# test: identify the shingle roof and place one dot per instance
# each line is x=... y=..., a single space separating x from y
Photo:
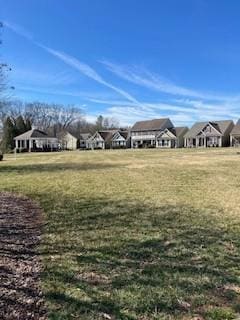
x=236 y=129
x=34 y=133
x=221 y=126
x=64 y=133
x=85 y=136
x=178 y=131
x=107 y=134
x=124 y=134
x=155 y=124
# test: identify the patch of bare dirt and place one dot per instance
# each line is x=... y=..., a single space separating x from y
x=20 y=229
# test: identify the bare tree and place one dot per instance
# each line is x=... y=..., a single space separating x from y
x=46 y=116
x=4 y=86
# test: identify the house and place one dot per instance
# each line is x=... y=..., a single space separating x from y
x=120 y=140
x=96 y=141
x=235 y=135
x=36 y=140
x=144 y=133
x=83 y=140
x=108 y=139
x=171 y=138
x=68 y=141
x=209 y=134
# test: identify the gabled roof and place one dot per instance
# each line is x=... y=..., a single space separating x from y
x=64 y=133
x=34 y=133
x=236 y=129
x=124 y=134
x=220 y=126
x=85 y=136
x=178 y=131
x=155 y=124
x=107 y=134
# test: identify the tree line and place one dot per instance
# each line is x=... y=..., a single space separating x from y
x=17 y=117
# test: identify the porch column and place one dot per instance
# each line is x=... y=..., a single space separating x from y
x=220 y=141
x=197 y=142
x=30 y=145
x=231 y=141
x=205 y=142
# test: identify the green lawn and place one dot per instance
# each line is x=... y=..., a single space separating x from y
x=144 y=234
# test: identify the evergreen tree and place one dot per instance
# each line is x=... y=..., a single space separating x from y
x=20 y=125
x=99 y=123
x=28 y=124
x=9 y=132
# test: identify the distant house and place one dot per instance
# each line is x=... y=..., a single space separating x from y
x=209 y=134
x=120 y=139
x=96 y=141
x=35 y=140
x=144 y=133
x=171 y=138
x=108 y=139
x=83 y=140
x=235 y=135
x=68 y=141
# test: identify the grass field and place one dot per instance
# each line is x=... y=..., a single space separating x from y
x=144 y=235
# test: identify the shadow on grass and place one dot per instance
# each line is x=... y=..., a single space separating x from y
x=53 y=167
x=132 y=261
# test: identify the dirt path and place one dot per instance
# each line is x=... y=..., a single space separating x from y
x=20 y=224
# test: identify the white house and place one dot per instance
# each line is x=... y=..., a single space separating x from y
x=171 y=138
x=209 y=134
x=109 y=139
x=68 y=141
x=36 y=140
x=144 y=133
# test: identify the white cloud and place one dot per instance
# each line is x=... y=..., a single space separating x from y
x=153 y=81
x=50 y=91
x=188 y=105
x=88 y=71
x=18 y=30
x=73 y=62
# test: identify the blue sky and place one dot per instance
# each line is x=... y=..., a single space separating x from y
x=128 y=59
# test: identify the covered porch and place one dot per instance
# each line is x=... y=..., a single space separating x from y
x=35 y=140
x=235 y=140
x=166 y=143
x=95 y=144
x=203 y=142
x=208 y=141
x=144 y=143
x=36 y=144
x=119 y=144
